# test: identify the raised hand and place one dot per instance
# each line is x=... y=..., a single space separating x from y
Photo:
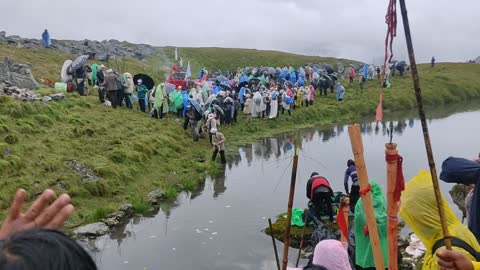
x=42 y=214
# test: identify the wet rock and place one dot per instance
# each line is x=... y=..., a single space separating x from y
x=126 y=208
x=46 y=99
x=92 y=230
x=458 y=194
x=57 y=97
x=19 y=75
x=86 y=174
x=115 y=219
x=155 y=196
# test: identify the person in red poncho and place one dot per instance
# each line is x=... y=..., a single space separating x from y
x=320 y=194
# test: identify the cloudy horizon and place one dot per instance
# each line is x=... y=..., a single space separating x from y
x=354 y=29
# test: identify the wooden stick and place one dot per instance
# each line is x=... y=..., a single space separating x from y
x=392 y=209
x=357 y=149
x=346 y=210
x=286 y=242
x=274 y=244
x=423 y=120
x=301 y=240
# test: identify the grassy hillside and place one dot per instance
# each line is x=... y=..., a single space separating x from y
x=134 y=154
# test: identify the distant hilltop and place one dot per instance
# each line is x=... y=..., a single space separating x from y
x=103 y=49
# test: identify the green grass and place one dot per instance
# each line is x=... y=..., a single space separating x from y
x=134 y=154
x=141 y=206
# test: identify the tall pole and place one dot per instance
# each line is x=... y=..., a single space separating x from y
x=423 y=120
x=392 y=206
x=274 y=244
x=357 y=149
x=293 y=180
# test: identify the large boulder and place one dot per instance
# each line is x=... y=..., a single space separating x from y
x=92 y=230
x=19 y=75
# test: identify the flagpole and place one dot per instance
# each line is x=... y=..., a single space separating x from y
x=426 y=136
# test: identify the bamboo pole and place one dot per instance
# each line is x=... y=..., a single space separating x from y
x=286 y=242
x=346 y=209
x=301 y=240
x=274 y=244
x=423 y=120
x=357 y=149
x=392 y=209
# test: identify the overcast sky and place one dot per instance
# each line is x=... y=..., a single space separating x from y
x=353 y=29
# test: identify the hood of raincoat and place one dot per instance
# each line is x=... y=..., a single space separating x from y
x=419 y=211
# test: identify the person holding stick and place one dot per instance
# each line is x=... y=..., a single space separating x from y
x=354 y=194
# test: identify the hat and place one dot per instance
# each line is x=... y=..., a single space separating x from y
x=139 y=81
x=213 y=130
x=109 y=70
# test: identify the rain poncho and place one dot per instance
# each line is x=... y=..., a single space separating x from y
x=216 y=89
x=363 y=246
x=293 y=77
x=161 y=99
x=257 y=105
x=365 y=72
x=241 y=95
x=94 y=72
x=298 y=102
x=47 y=42
x=419 y=211
x=273 y=104
x=300 y=82
x=331 y=254
x=340 y=91
x=185 y=102
x=176 y=99
x=464 y=171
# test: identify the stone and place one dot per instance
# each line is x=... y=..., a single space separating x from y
x=6 y=152
x=155 y=196
x=126 y=208
x=46 y=99
x=63 y=185
x=94 y=229
x=86 y=174
x=3 y=34
x=19 y=75
x=57 y=97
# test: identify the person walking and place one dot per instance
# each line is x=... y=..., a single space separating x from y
x=101 y=87
x=141 y=94
x=354 y=193
x=111 y=85
x=340 y=91
x=433 y=61
x=218 y=141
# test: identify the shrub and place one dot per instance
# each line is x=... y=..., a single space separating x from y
x=11 y=139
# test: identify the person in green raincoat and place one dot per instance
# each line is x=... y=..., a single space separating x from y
x=176 y=101
x=161 y=101
x=94 y=74
x=363 y=246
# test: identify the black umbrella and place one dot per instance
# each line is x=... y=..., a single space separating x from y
x=195 y=105
x=147 y=80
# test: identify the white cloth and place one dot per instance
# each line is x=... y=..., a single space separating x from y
x=273 y=109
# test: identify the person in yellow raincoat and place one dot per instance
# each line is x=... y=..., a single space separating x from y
x=299 y=100
x=419 y=211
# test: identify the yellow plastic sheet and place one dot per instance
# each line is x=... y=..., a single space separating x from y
x=419 y=210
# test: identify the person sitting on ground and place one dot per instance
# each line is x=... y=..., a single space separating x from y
x=218 y=141
x=141 y=94
x=41 y=249
x=354 y=194
x=320 y=193
x=418 y=210
x=328 y=255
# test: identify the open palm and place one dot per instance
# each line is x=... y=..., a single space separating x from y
x=42 y=214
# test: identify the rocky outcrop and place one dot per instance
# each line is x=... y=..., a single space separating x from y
x=7 y=89
x=92 y=230
x=19 y=75
x=103 y=49
x=85 y=173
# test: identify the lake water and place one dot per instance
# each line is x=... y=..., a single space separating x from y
x=220 y=226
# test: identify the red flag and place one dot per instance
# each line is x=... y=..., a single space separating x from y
x=342 y=222
x=379 y=113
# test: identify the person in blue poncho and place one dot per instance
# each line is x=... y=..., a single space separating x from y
x=216 y=89
x=300 y=82
x=241 y=96
x=185 y=102
x=340 y=91
x=293 y=77
x=47 y=42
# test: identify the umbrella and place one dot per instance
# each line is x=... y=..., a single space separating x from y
x=79 y=62
x=221 y=78
x=169 y=87
x=226 y=85
x=264 y=69
x=329 y=68
x=327 y=78
x=147 y=80
x=211 y=98
x=195 y=105
x=219 y=109
x=249 y=70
